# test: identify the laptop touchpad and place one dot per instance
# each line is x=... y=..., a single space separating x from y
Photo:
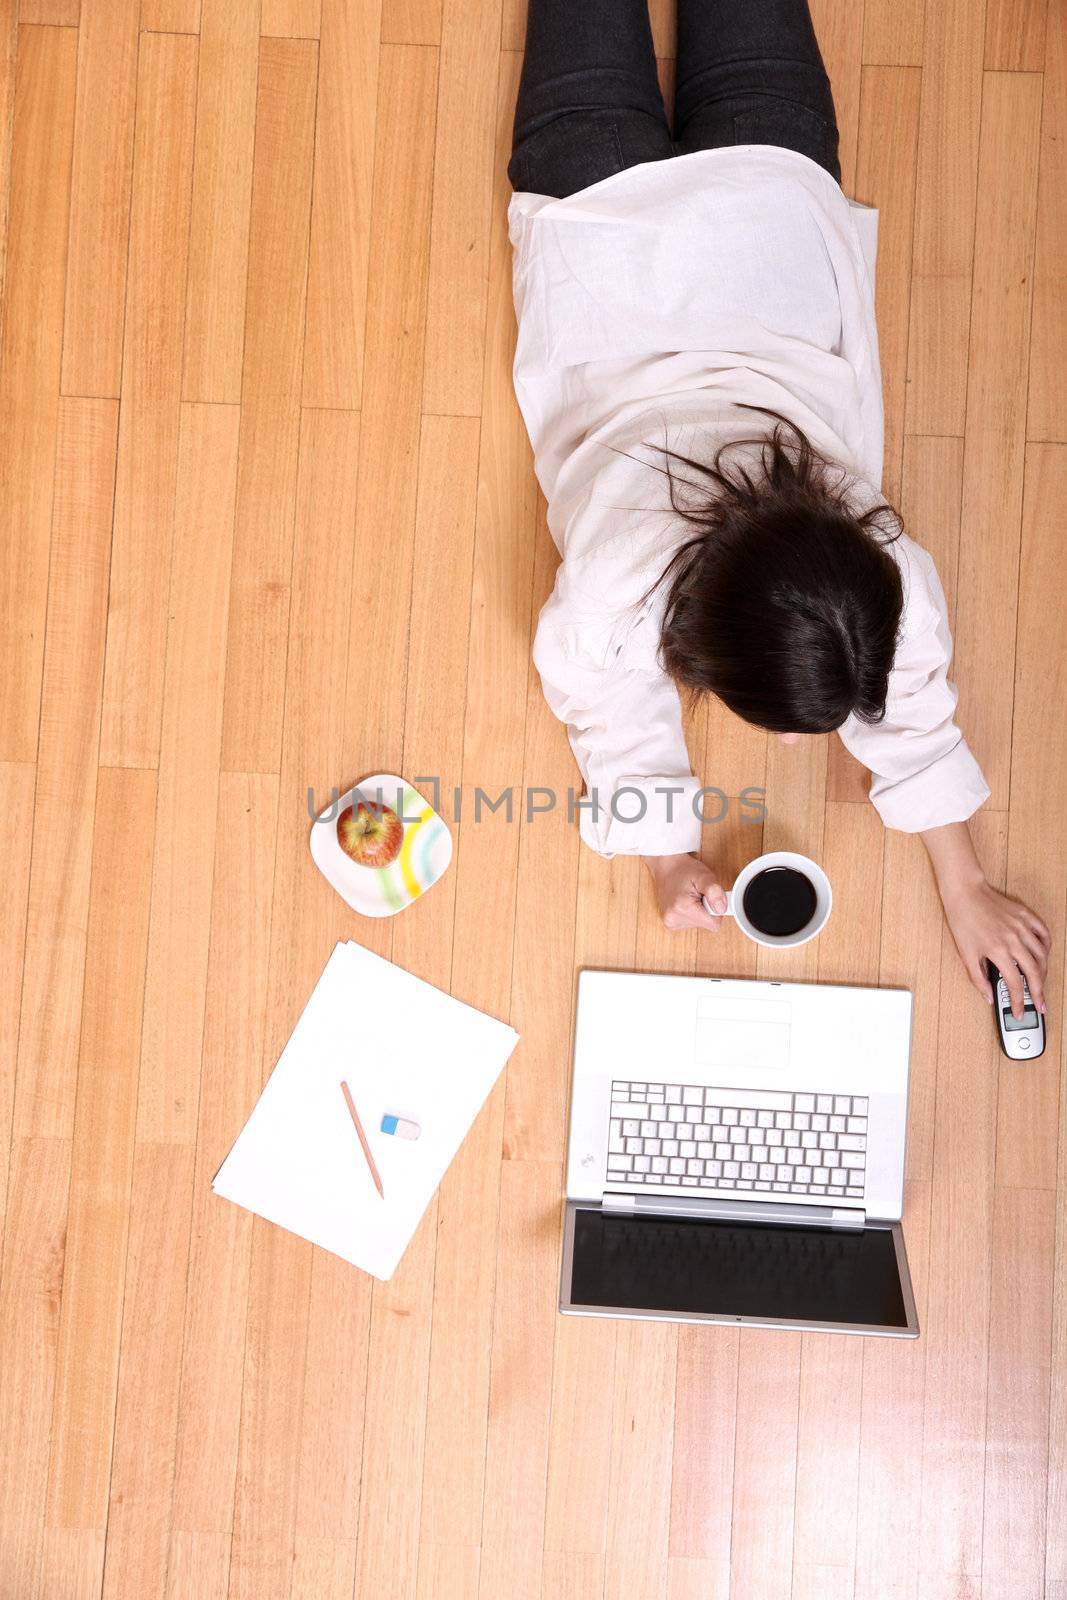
x=739 y=1033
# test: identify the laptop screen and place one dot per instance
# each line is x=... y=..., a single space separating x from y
x=691 y=1266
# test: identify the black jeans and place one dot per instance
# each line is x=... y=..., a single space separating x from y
x=589 y=105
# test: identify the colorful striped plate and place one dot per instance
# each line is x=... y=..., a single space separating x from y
x=425 y=850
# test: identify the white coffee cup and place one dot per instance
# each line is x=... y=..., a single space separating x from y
x=779 y=858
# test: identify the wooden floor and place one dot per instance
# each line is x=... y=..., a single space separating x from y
x=254 y=375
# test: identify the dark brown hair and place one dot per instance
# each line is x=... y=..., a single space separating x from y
x=784 y=602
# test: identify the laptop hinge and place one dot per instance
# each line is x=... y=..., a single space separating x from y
x=722 y=1210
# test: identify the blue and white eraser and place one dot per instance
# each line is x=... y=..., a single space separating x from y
x=402 y=1127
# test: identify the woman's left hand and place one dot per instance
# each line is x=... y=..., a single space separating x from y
x=987 y=924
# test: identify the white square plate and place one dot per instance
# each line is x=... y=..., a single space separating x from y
x=425 y=851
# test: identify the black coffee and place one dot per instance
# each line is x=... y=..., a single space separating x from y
x=779 y=901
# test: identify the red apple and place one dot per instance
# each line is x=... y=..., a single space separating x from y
x=370 y=834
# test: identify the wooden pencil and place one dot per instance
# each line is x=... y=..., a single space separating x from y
x=346 y=1091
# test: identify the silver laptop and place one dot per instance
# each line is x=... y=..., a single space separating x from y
x=736 y=1154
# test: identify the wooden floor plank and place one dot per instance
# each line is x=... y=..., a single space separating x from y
x=146 y=1424
x=443 y=551
x=65 y=794
x=911 y=910
x=102 y=165
x=450 y=1571
x=433 y=753
x=944 y=236
x=539 y=1070
x=1056 y=1514
x=828 y=1451
x=893 y=33
x=443 y=543
x=323 y=1568
x=213 y=1343
x=1015 y=35
x=702 y=1481
x=957 y=1320
x=17 y=781
x=467 y=1216
x=573 y=1575
x=513 y=27
x=525 y=1313
x=1027 y=1110
x=483 y=945
x=996 y=416
x=221 y=201
x=102 y=1158
x=1017 y=1409
x=463 y=193
x=492 y=759
x=312 y=918
x=411 y=21
x=9 y=33
x=885 y=177
x=852 y=852
x=690 y=1579
x=828 y=1445
x=35 y=1237
x=396 y=626
x=579 y=1457
x=270 y=411
x=949 y=1586
x=822 y=1582
x=437 y=661
x=765 y=1462
x=308 y=919
x=291 y=19
x=264 y=1519
x=51 y=13
x=151 y=387
x=888 y=1493
x=392 y=389
x=73 y=1561
x=199 y=1562
x=339 y=254
x=171 y=16
x=331 y=1446
x=932 y=504
x=188 y=775
x=395 y=1421
x=56 y=925
x=1047 y=395
x=141 y=1488
x=583 y=1370
x=910 y=953
x=30 y=355
x=639 y=1495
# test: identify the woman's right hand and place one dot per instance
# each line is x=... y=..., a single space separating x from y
x=681 y=883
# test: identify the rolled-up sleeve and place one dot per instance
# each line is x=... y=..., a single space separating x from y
x=923 y=773
x=625 y=729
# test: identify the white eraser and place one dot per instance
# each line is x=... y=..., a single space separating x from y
x=401 y=1127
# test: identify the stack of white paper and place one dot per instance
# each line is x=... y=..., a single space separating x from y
x=403 y=1047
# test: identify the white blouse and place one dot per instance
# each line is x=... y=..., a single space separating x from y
x=649 y=306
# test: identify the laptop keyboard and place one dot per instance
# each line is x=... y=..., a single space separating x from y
x=686 y=1136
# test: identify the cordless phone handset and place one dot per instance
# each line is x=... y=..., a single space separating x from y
x=1021 y=1038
